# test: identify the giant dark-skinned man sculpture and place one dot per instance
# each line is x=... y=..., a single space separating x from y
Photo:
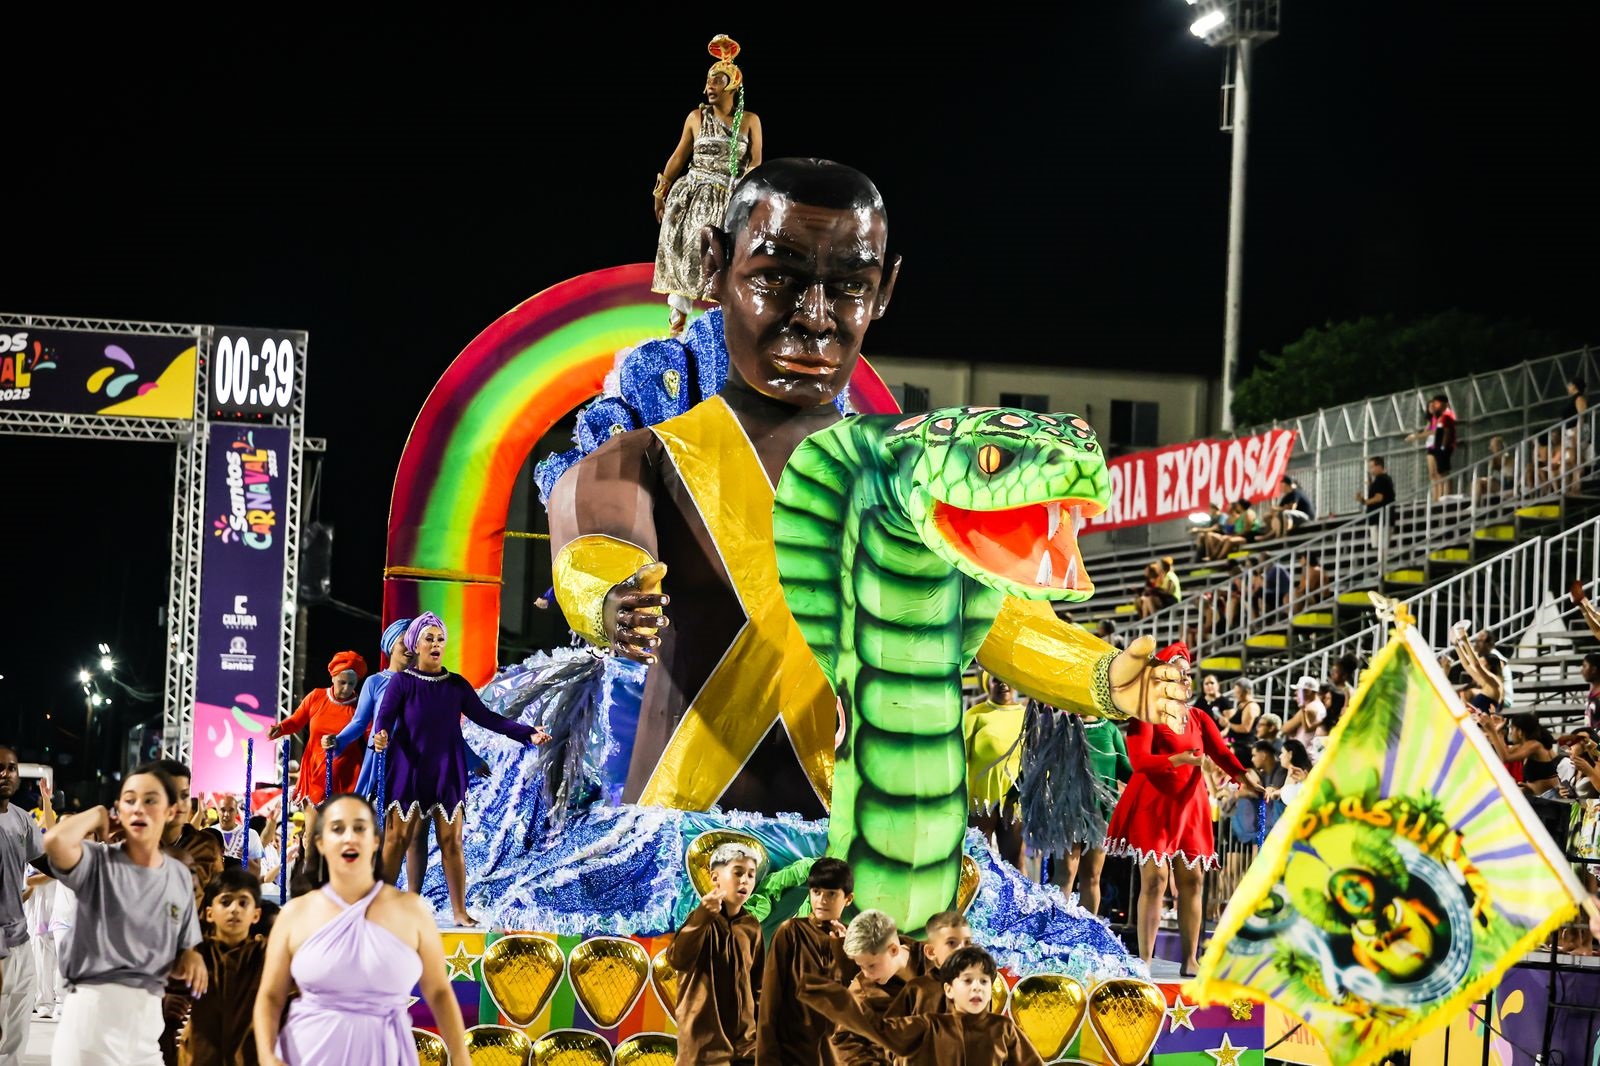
x=663 y=537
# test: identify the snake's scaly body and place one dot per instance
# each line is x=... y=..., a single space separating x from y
x=897 y=540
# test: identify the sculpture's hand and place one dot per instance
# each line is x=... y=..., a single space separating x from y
x=633 y=617
x=1148 y=690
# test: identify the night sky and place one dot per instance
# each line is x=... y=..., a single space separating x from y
x=1056 y=184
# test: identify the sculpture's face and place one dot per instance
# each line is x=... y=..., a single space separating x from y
x=798 y=287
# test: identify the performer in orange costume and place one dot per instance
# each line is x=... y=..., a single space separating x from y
x=327 y=711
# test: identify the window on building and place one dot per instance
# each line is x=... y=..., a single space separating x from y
x=1026 y=401
x=1135 y=423
x=912 y=398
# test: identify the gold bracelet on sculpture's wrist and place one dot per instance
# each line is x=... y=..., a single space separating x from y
x=660 y=191
x=1101 y=687
x=585 y=572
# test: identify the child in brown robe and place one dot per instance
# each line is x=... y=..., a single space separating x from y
x=220 y=1029
x=719 y=957
x=790 y=1033
x=887 y=962
x=970 y=1035
x=947 y=932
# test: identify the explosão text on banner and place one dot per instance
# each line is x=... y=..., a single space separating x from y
x=1171 y=482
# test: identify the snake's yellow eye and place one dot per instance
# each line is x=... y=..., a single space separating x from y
x=991 y=458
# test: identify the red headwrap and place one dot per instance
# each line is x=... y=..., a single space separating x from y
x=1179 y=650
x=347 y=660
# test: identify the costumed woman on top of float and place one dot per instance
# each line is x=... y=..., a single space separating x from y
x=425 y=775
x=720 y=142
x=327 y=711
x=1165 y=815
x=993 y=732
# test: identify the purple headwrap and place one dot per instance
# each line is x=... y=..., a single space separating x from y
x=421 y=622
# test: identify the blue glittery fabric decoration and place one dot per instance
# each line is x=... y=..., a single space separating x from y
x=619 y=870
x=638 y=395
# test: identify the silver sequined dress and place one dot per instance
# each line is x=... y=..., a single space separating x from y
x=698 y=198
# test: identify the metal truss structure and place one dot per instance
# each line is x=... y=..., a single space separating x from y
x=188 y=502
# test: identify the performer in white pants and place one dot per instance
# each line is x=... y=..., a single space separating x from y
x=20 y=840
x=135 y=927
x=40 y=902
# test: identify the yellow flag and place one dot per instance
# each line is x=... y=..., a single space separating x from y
x=1405 y=878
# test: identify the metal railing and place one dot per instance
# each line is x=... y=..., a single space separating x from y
x=1500 y=594
x=1332 y=444
x=1270 y=589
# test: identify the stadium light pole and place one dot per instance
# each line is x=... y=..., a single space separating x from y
x=1235 y=25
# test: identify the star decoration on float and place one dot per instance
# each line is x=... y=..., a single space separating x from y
x=1180 y=1014
x=1227 y=1054
x=460 y=962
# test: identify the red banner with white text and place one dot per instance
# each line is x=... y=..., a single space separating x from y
x=1172 y=482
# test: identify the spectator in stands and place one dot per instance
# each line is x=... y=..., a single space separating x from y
x=1264 y=757
x=1291 y=509
x=1521 y=739
x=1213 y=702
x=1161 y=588
x=1269 y=727
x=1440 y=437
x=1305 y=721
x=1380 y=489
x=1480 y=667
x=1245 y=525
x=1107 y=631
x=1221 y=605
x=1342 y=680
x=1583 y=756
x=1241 y=724
x=1215 y=523
x=1580 y=403
x=1502 y=475
x=1591 y=675
x=1295 y=762
x=1312 y=579
x=1270 y=585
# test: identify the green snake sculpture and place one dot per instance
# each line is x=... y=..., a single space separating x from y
x=897 y=540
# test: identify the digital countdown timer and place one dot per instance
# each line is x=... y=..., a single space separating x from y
x=252 y=371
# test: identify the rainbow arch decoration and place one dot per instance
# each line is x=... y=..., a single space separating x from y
x=509 y=387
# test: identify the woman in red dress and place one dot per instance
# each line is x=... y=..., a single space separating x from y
x=1163 y=818
x=327 y=711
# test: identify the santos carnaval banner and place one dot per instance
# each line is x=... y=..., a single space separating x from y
x=241 y=603
x=1168 y=483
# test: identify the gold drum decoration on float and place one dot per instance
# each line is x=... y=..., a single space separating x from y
x=1049 y=1009
x=521 y=972
x=571 y=1047
x=665 y=980
x=607 y=974
x=967 y=886
x=430 y=1049
x=498 y=1045
x=1126 y=1014
x=648 y=1049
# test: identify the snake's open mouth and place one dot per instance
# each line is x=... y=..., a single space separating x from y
x=1036 y=544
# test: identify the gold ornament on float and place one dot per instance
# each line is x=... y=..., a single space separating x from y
x=1049 y=1009
x=498 y=1045
x=665 y=980
x=608 y=973
x=648 y=1049
x=521 y=971
x=1126 y=1014
x=430 y=1049
x=1002 y=995
x=570 y=1047
x=697 y=859
x=967 y=886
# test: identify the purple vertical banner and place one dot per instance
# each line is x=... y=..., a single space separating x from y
x=241 y=600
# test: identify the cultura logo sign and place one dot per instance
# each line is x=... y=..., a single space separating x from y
x=20 y=359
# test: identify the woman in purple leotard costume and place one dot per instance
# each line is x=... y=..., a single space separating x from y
x=425 y=771
x=354 y=947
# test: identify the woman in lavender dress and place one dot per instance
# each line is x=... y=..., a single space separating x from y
x=354 y=947
x=425 y=776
